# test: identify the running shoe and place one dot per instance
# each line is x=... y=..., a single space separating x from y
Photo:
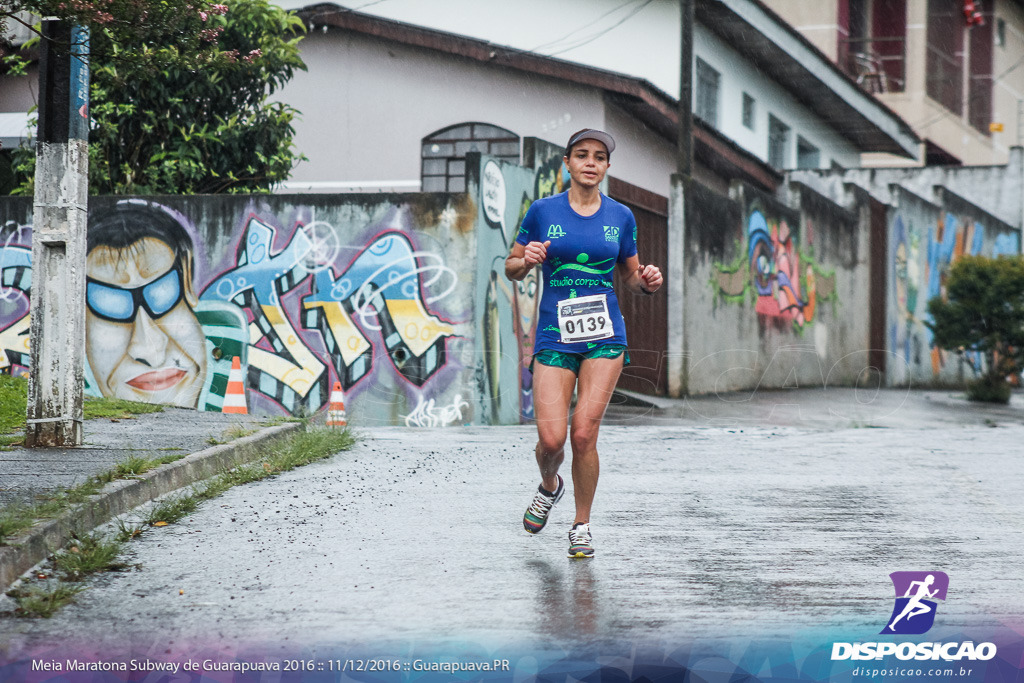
x=537 y=514
x=581 y=543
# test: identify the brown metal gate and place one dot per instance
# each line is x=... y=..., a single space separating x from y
x=879 y=273
x=646 y=316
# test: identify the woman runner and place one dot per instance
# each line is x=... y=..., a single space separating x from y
x=578 y=237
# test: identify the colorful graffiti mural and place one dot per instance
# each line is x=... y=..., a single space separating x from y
x=15 y=284
x=145 y=338
x=920 y=265
x=770 y=269
x=295 y=300
x=906 y=276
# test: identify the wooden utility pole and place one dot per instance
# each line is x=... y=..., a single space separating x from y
x=60 y=214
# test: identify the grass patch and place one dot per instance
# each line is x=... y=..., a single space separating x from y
x=302 y=449
x=171 y=510
x=13 y=402
x=310 y=446
x=16 y=518
x=136 y=465
x=117 y=408
x=87 y=555
x=126 y=531
x=42 y=603
x=13 y=519
x=233 y=432
x=283 y=419
x=132 y=466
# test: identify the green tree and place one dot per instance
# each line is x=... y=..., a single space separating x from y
x=157 y=32
x=172 y=127
x=982 y=314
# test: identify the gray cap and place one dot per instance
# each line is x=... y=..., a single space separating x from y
x=590 y=134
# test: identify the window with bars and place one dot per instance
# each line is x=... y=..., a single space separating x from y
x=872 y=43
x=956 y=49
x=981 y=60
x=443 y=167
x=944 y=81
x=707 y=93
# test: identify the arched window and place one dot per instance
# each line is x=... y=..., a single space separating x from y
x=444 y=153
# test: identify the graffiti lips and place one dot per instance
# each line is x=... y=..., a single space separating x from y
x=157 y=380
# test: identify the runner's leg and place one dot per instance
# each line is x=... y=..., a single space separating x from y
x=552 y=393
x=598 y=377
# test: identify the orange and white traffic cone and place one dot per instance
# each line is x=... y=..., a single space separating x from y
x=234 y=398
x=336 y=408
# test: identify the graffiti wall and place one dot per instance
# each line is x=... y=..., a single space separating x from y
x=925 y=239
x=774 y=296
x=15 y=283
x=372 y=292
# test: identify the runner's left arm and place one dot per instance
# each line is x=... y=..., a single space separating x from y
x=640 y=279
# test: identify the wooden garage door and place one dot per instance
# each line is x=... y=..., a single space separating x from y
x=646 y=316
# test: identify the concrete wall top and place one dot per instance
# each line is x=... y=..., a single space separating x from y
x=995 y=189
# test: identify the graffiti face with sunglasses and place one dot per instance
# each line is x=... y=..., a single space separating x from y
x=143 y=340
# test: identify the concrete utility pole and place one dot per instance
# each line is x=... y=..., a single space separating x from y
x=57 y=333
x=677 y=365
x=685 y=164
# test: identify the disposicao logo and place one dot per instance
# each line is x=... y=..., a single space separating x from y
x=916 y=592
x=914 y=614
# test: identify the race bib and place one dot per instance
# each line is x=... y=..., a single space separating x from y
x=584 y=319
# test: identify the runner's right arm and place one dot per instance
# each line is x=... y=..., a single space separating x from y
x=524 y=258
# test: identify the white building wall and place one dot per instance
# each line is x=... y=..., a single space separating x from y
x=738 y=75
x=367 y=104
x=641 y=156
x=607 y=34
x=20 y=93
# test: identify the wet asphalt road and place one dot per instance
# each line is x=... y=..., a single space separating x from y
x=701 y=532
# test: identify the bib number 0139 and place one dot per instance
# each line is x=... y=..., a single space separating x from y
x=584 y=319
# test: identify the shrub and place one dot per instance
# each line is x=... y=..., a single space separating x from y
x=981 y=317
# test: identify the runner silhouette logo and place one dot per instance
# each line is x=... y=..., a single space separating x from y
x=916 y=593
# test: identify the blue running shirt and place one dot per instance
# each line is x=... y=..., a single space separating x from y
x=580 y=265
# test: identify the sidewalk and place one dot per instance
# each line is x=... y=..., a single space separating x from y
x=25 y=472
x=208 y=443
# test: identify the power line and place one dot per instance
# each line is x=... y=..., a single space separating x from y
x=594 y=37
x=554 y=43
x=363 y=6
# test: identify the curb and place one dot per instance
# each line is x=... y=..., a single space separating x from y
x=118 y=497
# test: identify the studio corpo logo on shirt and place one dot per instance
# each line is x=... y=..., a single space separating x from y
x=917 y=597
